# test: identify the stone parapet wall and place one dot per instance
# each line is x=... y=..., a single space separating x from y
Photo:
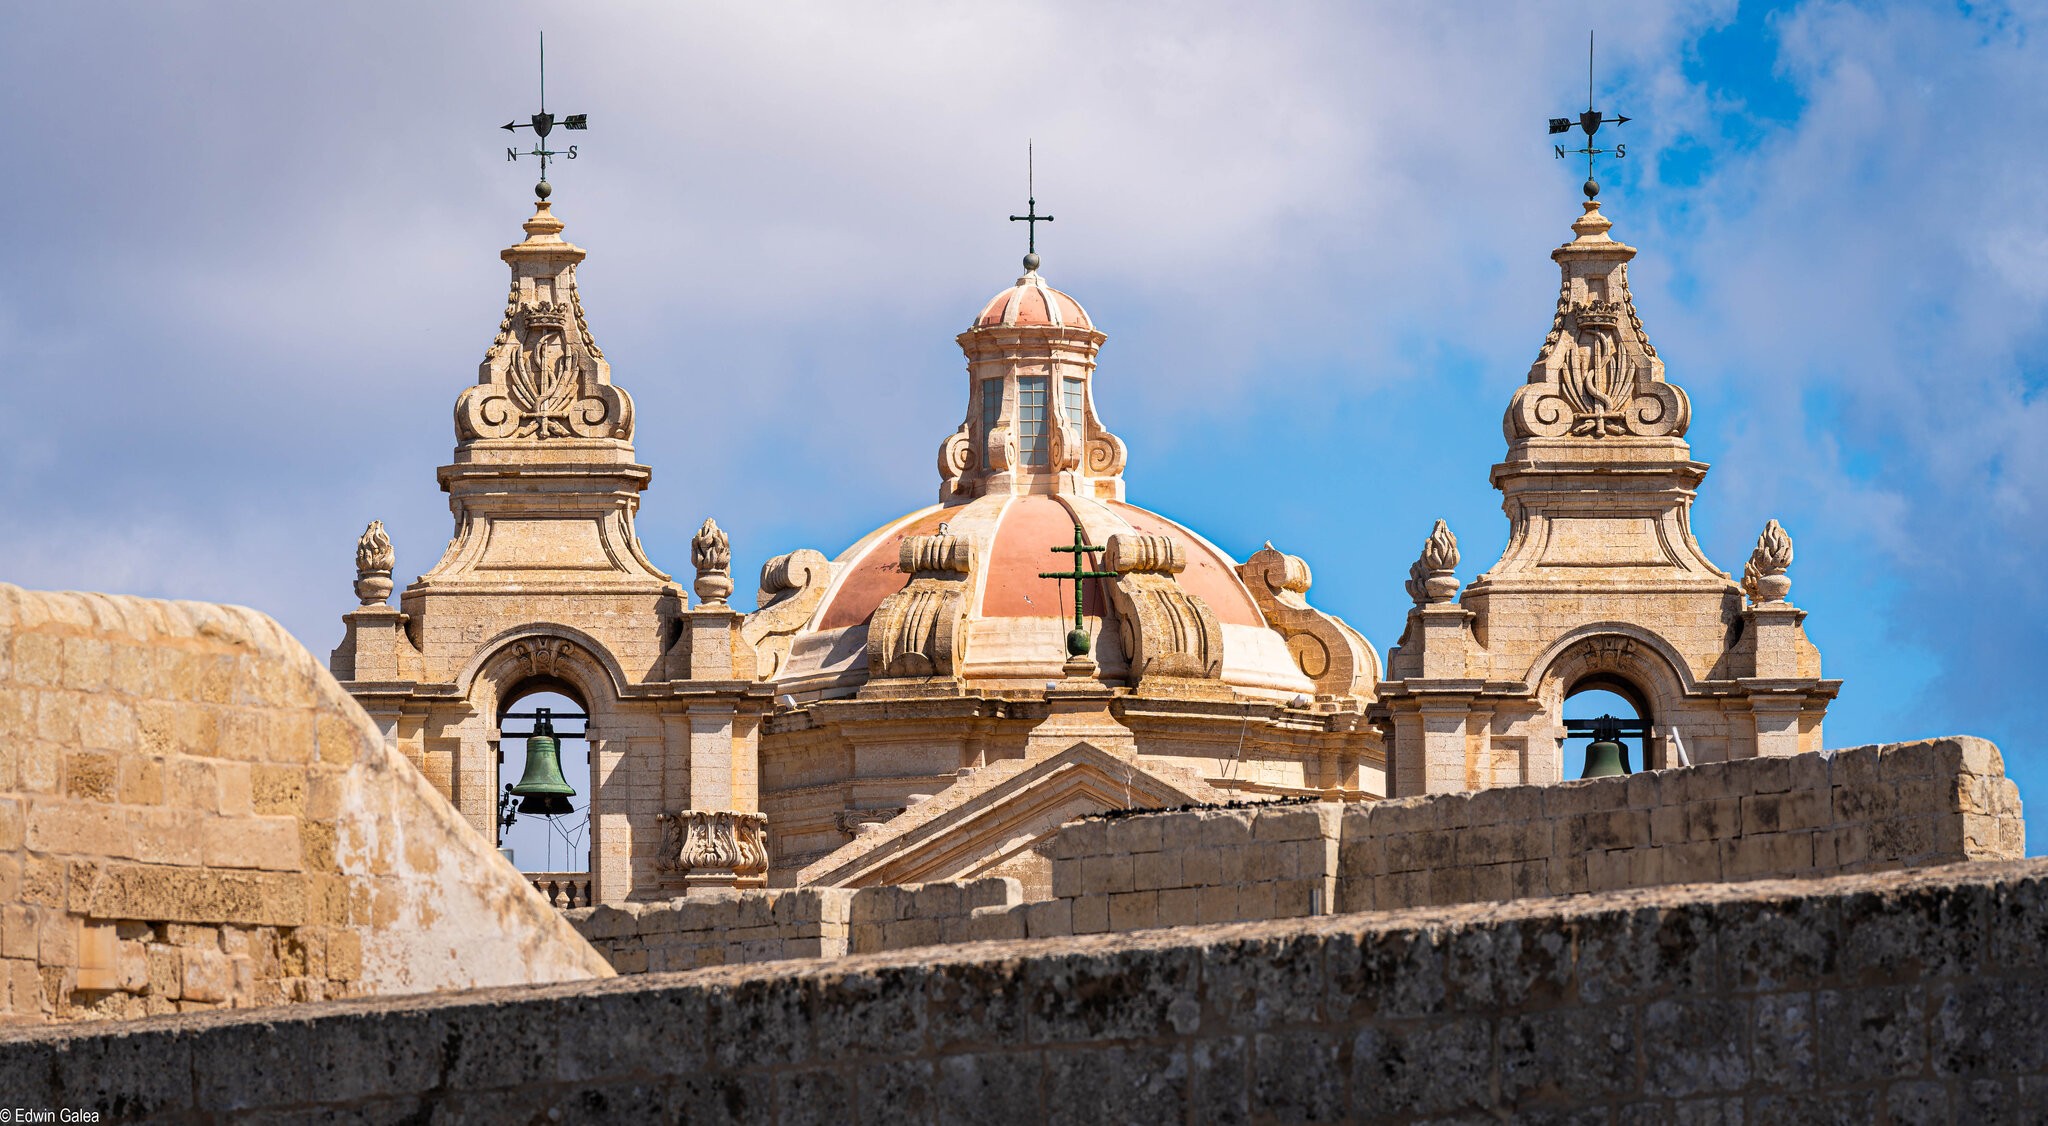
x=1900 y=997
x=1862 y=809
x=1198 y=866
x=193 y=815
x=719 y=928
x=901 y=917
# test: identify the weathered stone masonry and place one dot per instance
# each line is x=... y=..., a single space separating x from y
x=1910 y=995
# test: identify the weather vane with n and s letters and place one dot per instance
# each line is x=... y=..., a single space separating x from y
x=542 y=124
x=1589 y=121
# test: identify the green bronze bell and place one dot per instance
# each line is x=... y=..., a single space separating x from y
x=1606 y=756
x=542 y=789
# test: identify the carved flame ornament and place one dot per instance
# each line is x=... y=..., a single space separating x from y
x=1432 y=577
x=374 y=561
x=1763 y=577
x=711 y=554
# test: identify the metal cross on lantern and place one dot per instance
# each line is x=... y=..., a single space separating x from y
x=1077 y=638
x=1590 y=121
x=1031 y=218
x=542 y=124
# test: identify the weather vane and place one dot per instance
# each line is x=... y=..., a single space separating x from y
x=1590 y=121
x=542 y=124
x=1031 y=218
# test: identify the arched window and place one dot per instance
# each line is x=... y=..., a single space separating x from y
x=1600 y=696
x=559 y=844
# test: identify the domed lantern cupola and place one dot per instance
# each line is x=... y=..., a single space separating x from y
x=1031 y=425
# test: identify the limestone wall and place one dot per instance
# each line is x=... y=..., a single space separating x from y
x=719 y=928
x=1864 y=809
x=1900 y=997
x=194 y=815
x=1873 y=808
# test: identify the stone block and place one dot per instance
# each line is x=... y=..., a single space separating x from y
x=1136 y=834
x=1049 y=919
x=1133 y=910
x=1255 y=901
x=1106 y=875
x=1154 y=870
x=1224 y=828
x=1218 y=904
x=1180 y=907
x=1091 y=914
x=1066 y=878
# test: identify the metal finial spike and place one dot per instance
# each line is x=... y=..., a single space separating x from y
x=1031 y=218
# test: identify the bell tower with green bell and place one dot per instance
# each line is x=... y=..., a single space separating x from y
x=544 y=587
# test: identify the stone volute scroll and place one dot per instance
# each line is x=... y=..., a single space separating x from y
x=1597 y=375
x=792 y=587
x=1166 y=631
x=543 y=377
x=1763 y=577
x=711 y=554
x=374 y=561
x=917 y=631
x=1324 y=648
x=1432 y=578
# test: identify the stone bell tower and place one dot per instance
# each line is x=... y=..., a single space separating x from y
x=1601 y=584
x=544 y=587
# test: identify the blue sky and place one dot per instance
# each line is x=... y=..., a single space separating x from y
x=253 y=260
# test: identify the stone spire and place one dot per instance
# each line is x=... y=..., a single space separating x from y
x=1031 y=425
x=543 y=477
x=1597 y=375
x=544 y=376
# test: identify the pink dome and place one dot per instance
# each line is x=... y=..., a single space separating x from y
x=1032 y=304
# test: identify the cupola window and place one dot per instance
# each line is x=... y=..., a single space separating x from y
x=1032 y=443
x=991 y=405
x=1070 y=399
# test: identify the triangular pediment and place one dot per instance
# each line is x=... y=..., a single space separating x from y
x=1000 y=811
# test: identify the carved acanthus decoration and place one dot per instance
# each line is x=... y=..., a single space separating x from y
x=543 y=656
x=917 y=631
x=792 y=587
x=1166 y=631
x=1432 y=578
x=1606 y=652
x=1763 y=577
x=711 y=554
x=544 y=376
x=1325 y=649
x=1597 y=376
x=374 y=561
x=699 y=841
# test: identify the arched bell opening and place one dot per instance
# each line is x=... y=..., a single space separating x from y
x=543 y=745
x=1600 y=708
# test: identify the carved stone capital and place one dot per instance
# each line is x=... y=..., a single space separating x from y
x=715 y=841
